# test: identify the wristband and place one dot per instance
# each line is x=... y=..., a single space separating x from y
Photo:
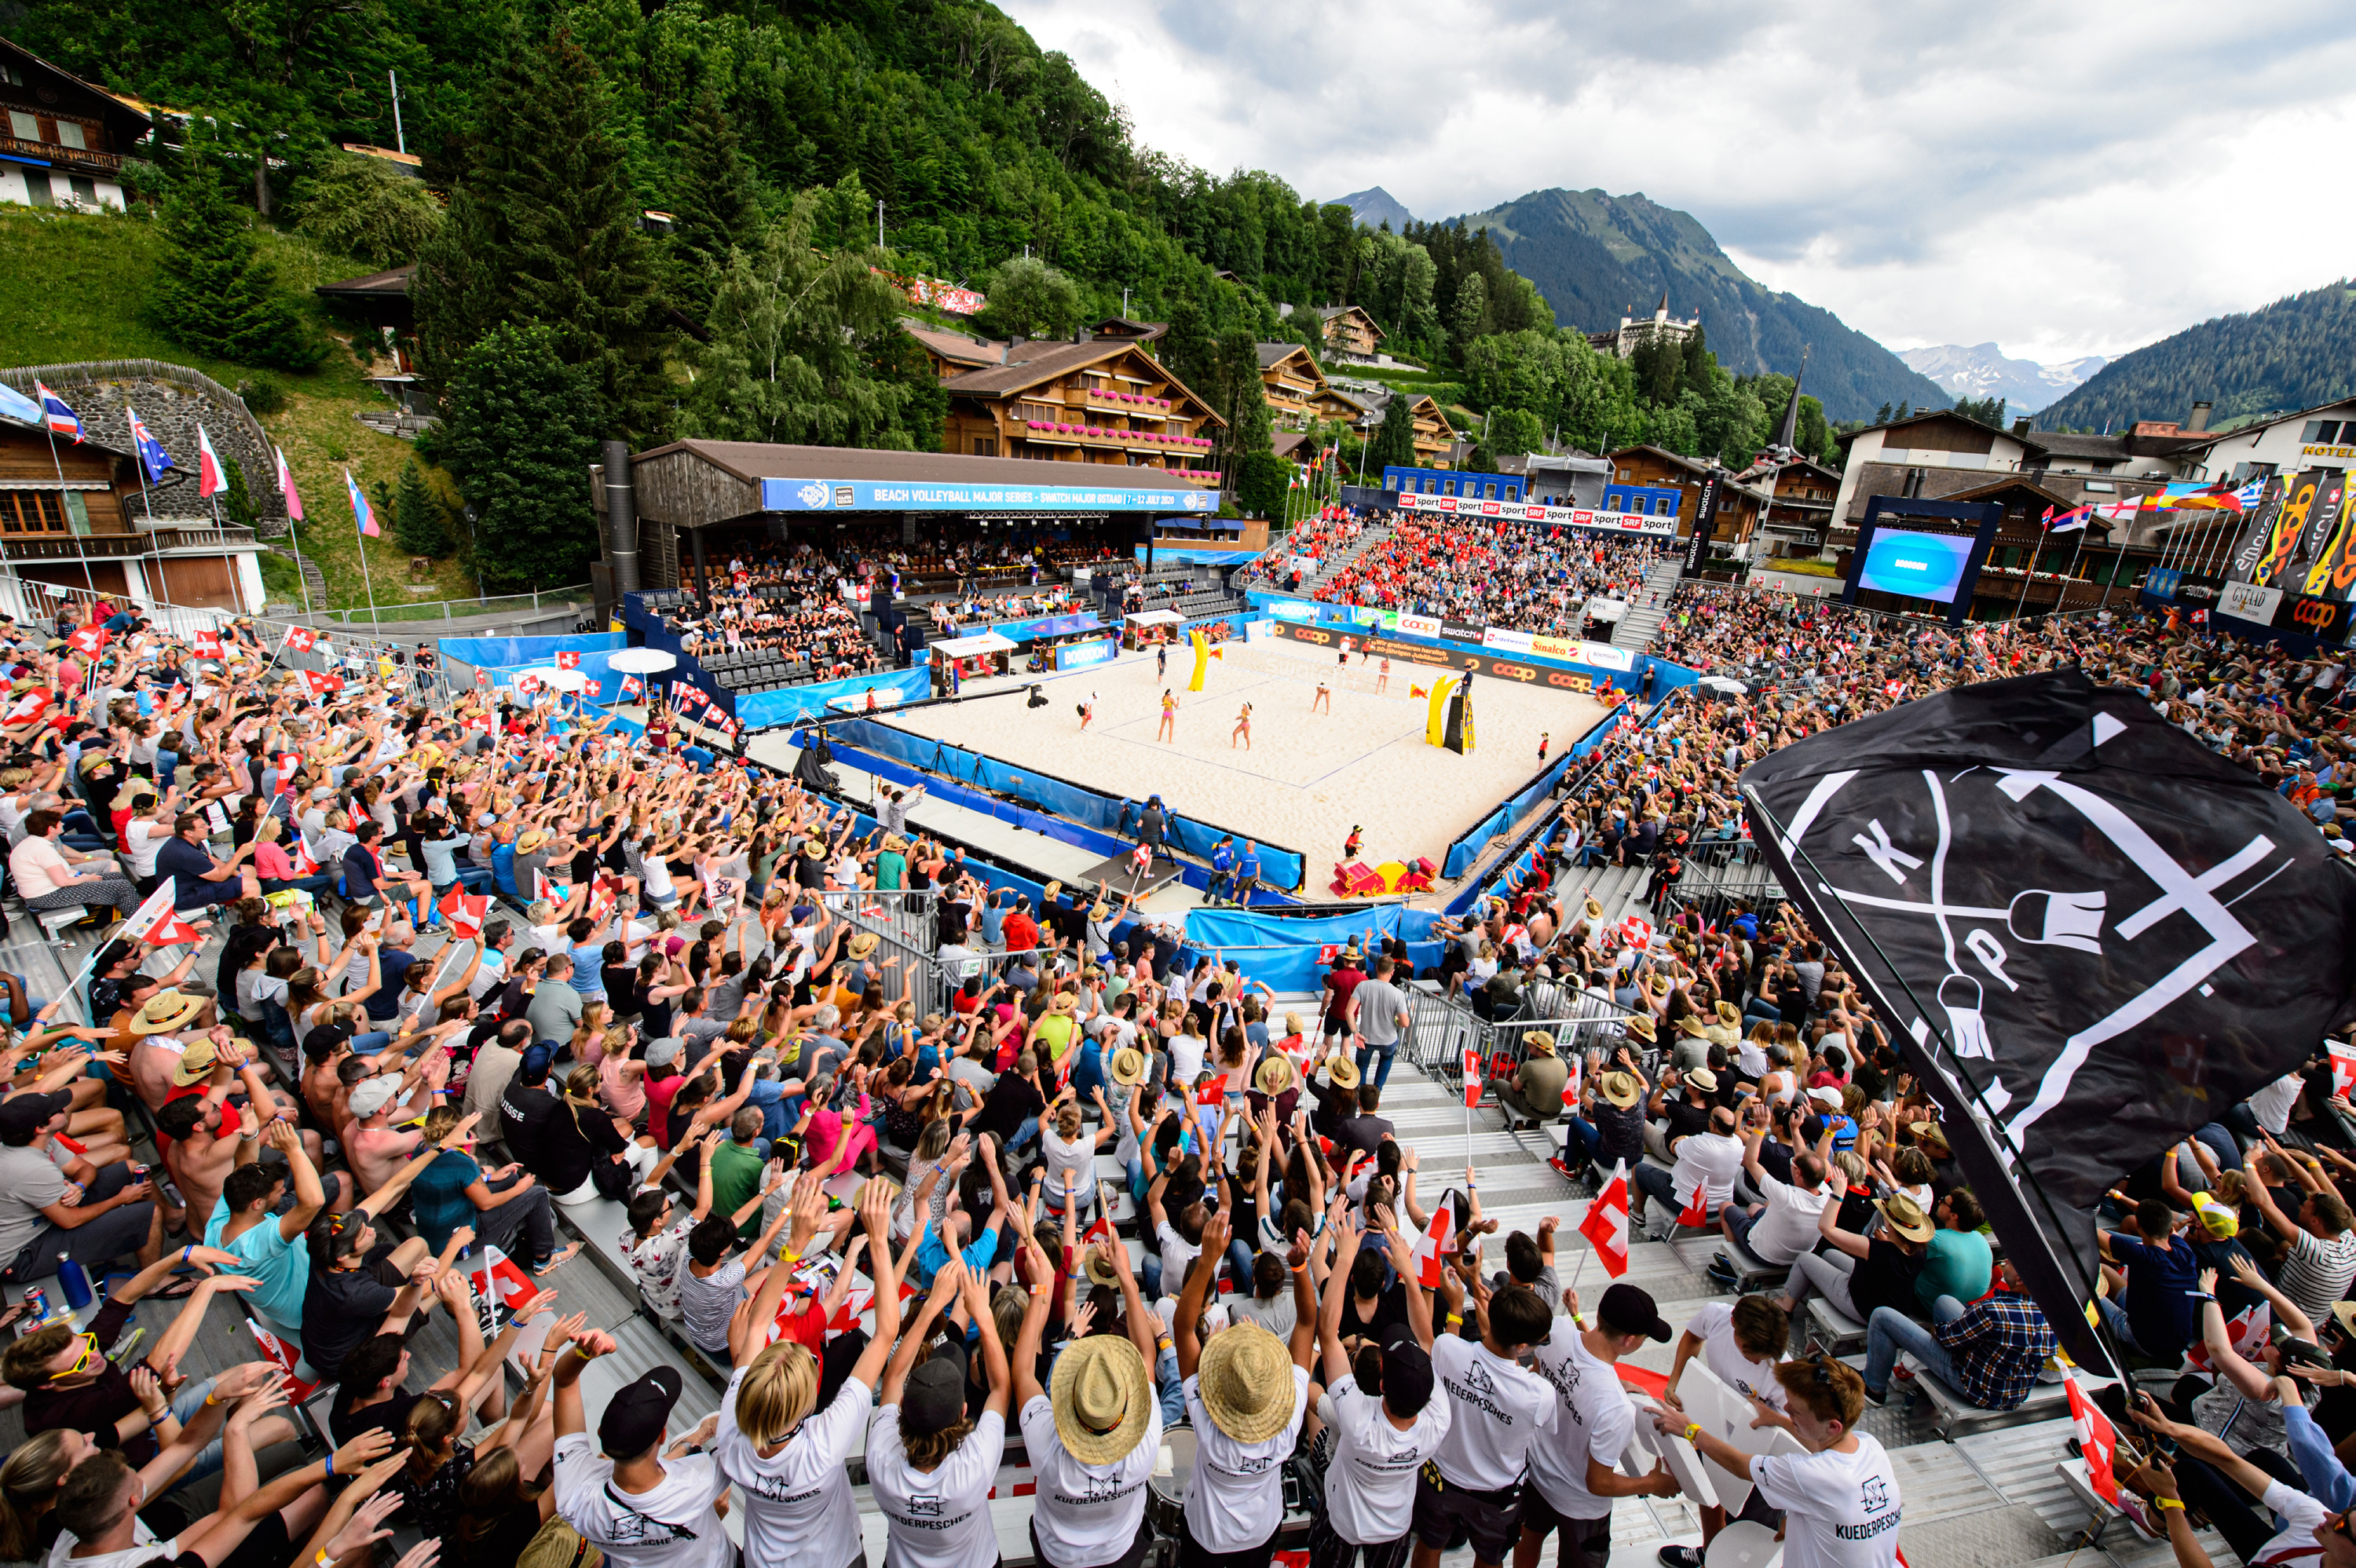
x=1693 y=1430
x=1455 y=1319
x=325 y=1561
x=2167 y=1503
x=211 y=1400
x=186 y=1250
x=331 y=1461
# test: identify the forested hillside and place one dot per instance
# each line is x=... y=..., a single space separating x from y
x=2293 y=354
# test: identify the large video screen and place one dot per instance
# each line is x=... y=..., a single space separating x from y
x=1921 y=566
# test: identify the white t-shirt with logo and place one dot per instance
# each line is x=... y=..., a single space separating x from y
x=940 y=1520
x=1594 y=1419
x=673 y=1526
x=798 y=1507
x=1237 y=1499
x=1500 y=1416
x=1840 y=1509
x=1788 y=1228
x=1086 y=1514
x=2300 y=1514
x=1714 y=1327
x=1370 y=1485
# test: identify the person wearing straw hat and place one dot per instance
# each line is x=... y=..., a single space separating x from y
x=1385 y=1429
x=1094 y=1434
x=1246 y=1405
x=1861 y=1274
x=1536 y=1092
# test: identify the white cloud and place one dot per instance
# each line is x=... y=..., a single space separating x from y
x=2064 y=179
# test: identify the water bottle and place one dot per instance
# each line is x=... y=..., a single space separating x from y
x=73 y=1281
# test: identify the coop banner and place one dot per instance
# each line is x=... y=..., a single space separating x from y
x=1453 y=657
x=1530 y=512
x=2087 y=929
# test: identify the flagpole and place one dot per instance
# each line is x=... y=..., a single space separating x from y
x=87 y=581
x=2078 y=550
x=2029 y=574
x=285 y=484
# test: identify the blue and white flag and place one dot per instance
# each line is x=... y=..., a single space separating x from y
x=152 y=455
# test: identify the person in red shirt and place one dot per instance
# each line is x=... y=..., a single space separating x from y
x=1021 y=930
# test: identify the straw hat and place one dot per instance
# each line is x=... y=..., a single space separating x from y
x=1594 y=910
x=1703 y=1079
x=862 y=944
x=1539 y=1039
x=1342 y=1073
x=530 y=839
x=1099 y=1269
x=1621 y=1089
x=813 y=850
x=1103 y=1397
x=165 y=1011
x=1905 y=1217
x=196 y=1064
x=1690 y=1026
x=1274 y=1077
x=1244 y=1381
x=1658 y=983
x=1730 y=1015
x=1640 y=1027
x=1128 y=1067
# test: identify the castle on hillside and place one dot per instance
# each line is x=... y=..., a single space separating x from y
x=1622 y=341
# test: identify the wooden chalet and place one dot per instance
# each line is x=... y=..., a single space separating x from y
x=1435 y=438
x=1348 y=329
x=1106 y=401
x=66 y=138
x=1293 y=385
x=1798 y=511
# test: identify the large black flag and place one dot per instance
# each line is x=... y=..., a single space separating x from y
x=2089 y=933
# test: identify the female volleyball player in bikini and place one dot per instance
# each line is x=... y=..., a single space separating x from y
x=1243 y=729
x=1324 y=697
x=1169 y=731
x=1383 y=678
x=1088 y=710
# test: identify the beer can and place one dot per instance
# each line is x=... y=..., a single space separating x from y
x=37 y=1304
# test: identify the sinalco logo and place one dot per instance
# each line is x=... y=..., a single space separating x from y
x=2315 y=614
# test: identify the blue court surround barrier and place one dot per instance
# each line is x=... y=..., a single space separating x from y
x=764 y=709
x=1071 y=803
x=503 y=658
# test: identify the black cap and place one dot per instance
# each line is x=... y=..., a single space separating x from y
x=636 y=1415
x=1407 y=1377
x=934 y=1400
x=26 y=1115
x=1628 y=1310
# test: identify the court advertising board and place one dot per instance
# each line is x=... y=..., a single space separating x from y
x=1530 y=512
x=881 y=496
x=1436 y=657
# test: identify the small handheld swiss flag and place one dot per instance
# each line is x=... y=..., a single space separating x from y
x=2343 y=1060
x=91 y=639
x=207 y=645
x=632 y=687
x=283 y=1357
x=301 y=638
x=464 y=913
x=321 y=683
x=567 y=661
x=2097 y=1441
x=28 y=707
x=1431 y=1249
x=1472 y=1079
x=1606 y=1224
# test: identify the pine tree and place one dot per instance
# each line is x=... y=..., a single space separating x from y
x=1394 y=441
x=418 y=526
x=718 y=206
x=522 y=427
x=237 y=501
x=214 y=294
x=544 y=227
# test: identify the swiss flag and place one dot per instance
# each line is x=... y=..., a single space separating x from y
x=289 y=763
x=2251 y=1326
x=464 y=913
x=479 y=721
x=496 y=1277
x=594 y=688
x=2343 y=1060
x=304 y=865
x=91 y=639
x=1213 y=1091
x=1894 y=688
x=28 y=707
x=1606 y=1224
x=1570 y=1084
x=527 y=684
x=567 y=661
x=1099 y=1231
x=1431 y=1248
x=2097 y=1440
x=283 y=1355
x=1472 y=1079
x=207 y=645
x=632 y=687
x=322 y=683
x=1637 y=932
x=300 y=639
x=1697 y=1209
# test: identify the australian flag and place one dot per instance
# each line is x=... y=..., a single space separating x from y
x=152 y=455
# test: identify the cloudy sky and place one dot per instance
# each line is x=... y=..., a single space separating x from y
x=2062 y=179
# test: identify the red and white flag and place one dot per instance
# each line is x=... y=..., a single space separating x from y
x=466 y=912
x=2251 y=1326
x=1606 y=1224
x=1571 y=1085
x=500 y=1281
x=300 y=639
x=567 y=661
x=632 y=687
x=1431 y=1249
x=91 y=639
x=211 y=479
x=1637 y=932
x=2097 y=1440
x=207 y=645
x=321 y=683
x=527 y=684
x=2343 y=1064
x=286 y=486
x=283 y=1356
x=1697 y=1209
x=289 y=765
x=28 y=707
x=1472 y=1079
x=304 y=864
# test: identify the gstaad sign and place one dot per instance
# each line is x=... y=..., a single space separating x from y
x=875 y=496
x=1529 y=512
x=1440 y=659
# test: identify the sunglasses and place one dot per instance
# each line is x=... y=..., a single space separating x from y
x=89 y=1354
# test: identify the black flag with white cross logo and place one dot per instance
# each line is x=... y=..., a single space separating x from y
x=2089 y=933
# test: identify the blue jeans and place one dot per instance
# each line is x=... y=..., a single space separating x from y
x=1579 y=1137
x=2114 y=1318
x=1377 y=1076
x=1239 y=1262
x=1651 y=1181
x=1169 y=1388
x=1892 y=1331
x=184 y=1407
x=1024 y=1136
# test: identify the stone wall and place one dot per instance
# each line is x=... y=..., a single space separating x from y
x=171 y=400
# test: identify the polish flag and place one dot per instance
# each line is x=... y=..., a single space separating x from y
x=464 y=913
x=2097 y=1440
x=283 y=1356
x=301 y=638
x=1606 y=1224
x=211 y=481
x=1432 y=1250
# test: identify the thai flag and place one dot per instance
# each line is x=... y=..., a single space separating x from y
x=152 y=455
x=286 y=486
x=360 y=512
x=56 y=414
x=211 y=480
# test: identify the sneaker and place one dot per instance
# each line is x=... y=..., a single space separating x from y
x=1876 y=1396
x=1903 y=1374
x=1560 y=1168
x=1682 y=1557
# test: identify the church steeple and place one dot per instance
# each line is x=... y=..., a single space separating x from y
x=1788 y=436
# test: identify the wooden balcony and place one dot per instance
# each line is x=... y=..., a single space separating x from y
x=62 y=157
x=120 y=546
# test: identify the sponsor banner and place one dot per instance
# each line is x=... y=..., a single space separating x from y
x=1419 y=626
x=2327 y=620
x=1426 y=654
x=873 y=495
x=1292 y=610
x=1506 y=641
x=1522 y=512
x=2250 y=602
x=1079 y=655
x=1462 y=630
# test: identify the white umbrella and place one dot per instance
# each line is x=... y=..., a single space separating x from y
x=641 y=661
x=1723 y=683
x=565 y=680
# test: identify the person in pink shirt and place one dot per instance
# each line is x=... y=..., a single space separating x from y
x=832 y=1141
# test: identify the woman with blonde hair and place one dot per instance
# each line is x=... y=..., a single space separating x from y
x=776 y=1443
